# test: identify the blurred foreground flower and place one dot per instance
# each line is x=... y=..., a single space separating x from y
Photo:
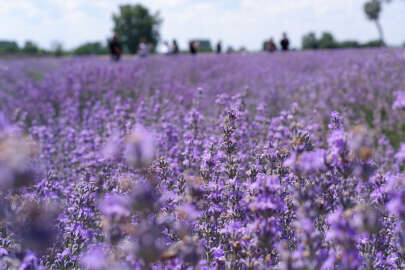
x=115 y=210
x=360 y=143
x=307 y=162
x=399 y=103
x=343 y=235
x=139 y=147
x=150 y=243
x=187 y=249
x=400 y=156
x=35 y=226
x=112 y=148
x=94 y=259
x=397 y=205
x=16 y=153
x=144 y=198
x=115 y=206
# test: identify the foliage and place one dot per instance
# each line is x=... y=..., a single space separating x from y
x=57 y=48
x=30 y=48
x=327 y=41
x=350 y=44
x=7 y=47
x=204 y=45
x=230 y=49
x=265 y=45
x=309 y=41
x=372 y=9
x=89 y=48
x=134 y=22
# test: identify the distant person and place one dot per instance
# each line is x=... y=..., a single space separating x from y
x=271 y=46
x=115 y=48
x=285 y=43
x=193 y=47
x=219 y=47
x=175 y=47
x=143 y=50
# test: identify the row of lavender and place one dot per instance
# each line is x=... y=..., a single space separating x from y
x=292 y=161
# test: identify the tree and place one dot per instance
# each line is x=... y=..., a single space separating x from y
x=372 y=44
x=310 y=42
x=372 y=9
x=135 y=22
x=327 y=41
x=30 y=48
x=91 y=48
x=265 y=45
x=204 y=45
x=8 y=47
x=57 y=48
x=230 y=49
x=242 y=49
x=349 y=44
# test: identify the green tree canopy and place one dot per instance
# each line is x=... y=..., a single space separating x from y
x=372 y=8
x=310 y=42
x=349 y=44
x=204 y=45
x=8 y=47
x=57 y=48
x=30 y=47
x=91 y=48
x=135 y=22
x=327 y=41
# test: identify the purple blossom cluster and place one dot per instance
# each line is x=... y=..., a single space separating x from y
x=292 y=161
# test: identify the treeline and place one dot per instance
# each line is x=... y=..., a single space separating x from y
x=327 y=41
x=88 y=48
x=309 y=42
x=31 y=48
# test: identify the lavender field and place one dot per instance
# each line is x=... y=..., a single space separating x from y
x=285 y=161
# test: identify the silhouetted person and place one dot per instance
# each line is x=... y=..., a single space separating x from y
x=143 y=49
x=175 y=47
x=193 y=46
x=271 y=46
x=285 y=43
x=219 y=47
x=115 y=48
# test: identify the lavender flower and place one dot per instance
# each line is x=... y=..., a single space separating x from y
x=294 y=163
x=335 y=121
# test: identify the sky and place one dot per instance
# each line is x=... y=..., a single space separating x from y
x=236 y=22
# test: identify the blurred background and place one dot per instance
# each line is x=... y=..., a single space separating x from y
x=83 y=27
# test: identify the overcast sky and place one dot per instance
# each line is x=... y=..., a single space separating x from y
x=236 y=22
